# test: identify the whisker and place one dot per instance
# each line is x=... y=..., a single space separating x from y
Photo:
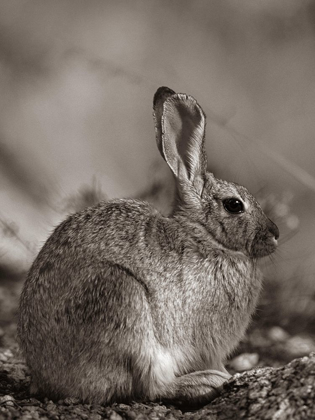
x=288 y=237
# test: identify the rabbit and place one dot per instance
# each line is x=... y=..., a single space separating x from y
x=125 y=304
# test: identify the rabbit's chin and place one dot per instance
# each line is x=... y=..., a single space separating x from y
x=263 y=248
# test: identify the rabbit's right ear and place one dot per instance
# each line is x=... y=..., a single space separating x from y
x=180 y=131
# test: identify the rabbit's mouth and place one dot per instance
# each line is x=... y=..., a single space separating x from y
x=263 y=244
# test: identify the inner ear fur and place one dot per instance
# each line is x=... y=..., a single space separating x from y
x=180 y=132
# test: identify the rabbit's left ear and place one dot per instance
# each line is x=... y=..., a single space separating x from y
x=180 y=130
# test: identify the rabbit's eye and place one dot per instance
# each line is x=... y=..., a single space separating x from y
x=233 y=205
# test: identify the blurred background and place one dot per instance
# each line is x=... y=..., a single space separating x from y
x=77 y=80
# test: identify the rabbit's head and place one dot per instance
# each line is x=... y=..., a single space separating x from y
x=227 y=211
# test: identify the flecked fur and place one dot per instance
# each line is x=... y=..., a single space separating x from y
x=124 y=304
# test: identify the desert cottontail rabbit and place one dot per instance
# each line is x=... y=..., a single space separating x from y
x=124 y=304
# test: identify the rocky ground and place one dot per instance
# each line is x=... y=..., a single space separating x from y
x=274 y=379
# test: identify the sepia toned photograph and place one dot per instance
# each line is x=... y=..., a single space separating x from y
x=157 y=196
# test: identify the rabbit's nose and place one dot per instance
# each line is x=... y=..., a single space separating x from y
x=273 y=229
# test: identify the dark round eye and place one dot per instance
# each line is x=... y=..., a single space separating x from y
x=233 y=205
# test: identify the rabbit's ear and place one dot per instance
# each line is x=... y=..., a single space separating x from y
x=180 y=129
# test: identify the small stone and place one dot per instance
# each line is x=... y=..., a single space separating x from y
x=285 y=411
x=170 y=416
x=3 y=358
x=245 y=361
x=17 y=372
x=71 y=401
x=8 y=353
x=123 y=406
x=13 y=412
x=289 y=372
x=114 y=416
x=51 y=406
x=259 y=393
x=95 y=416
x=79 y=412
x=7 y=399
x=255 y=408
x=5 y=354
x=278 y=334
x=142 y=416
x=300 y=346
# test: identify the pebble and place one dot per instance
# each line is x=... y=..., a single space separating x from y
x=3 y=358
x=300 y=346
x=80 y=413
x=7 y=400
x=5 y=355
x=278 y=334
x=95 y=416
x=71 y=401
x=255 y=394
x=51 y=406
x=245 y=361
x=114 y=416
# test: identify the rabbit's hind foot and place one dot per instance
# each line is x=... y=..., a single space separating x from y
x=196 y=388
